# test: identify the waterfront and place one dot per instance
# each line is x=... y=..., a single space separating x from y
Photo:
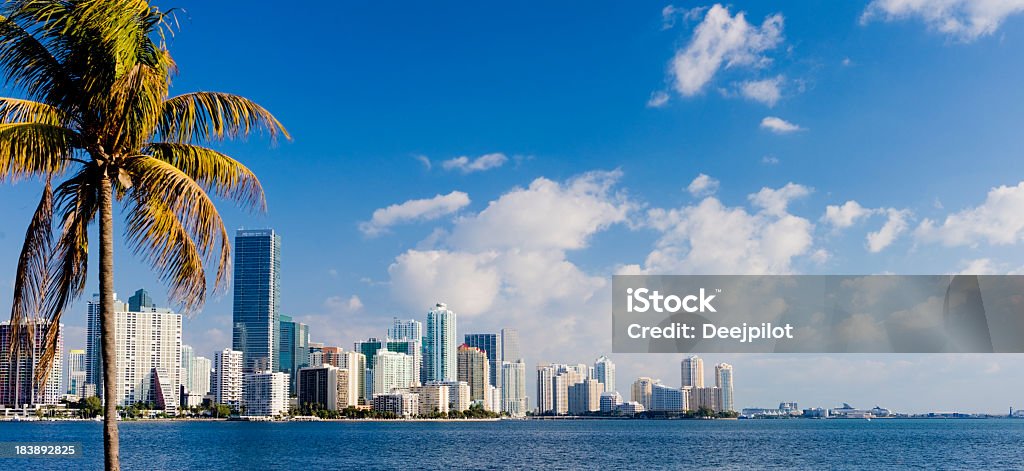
x=730 y=444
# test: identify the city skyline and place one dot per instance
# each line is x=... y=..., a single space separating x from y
x=846 y=139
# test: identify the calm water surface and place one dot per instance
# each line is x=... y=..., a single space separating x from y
x=591 y=444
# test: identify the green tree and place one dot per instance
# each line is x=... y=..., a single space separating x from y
x=95 y=114
x=90 y=406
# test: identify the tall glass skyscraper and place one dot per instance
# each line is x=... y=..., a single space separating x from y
x=439 y=346
x=510 y=345
x=491 y=345
x=256 y=328
x=604 y=371
x=294 y=349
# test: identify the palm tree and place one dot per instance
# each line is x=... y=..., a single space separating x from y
x=96 y=125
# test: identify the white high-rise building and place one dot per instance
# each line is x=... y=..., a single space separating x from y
x=513 y=390
x=406 y=329
x=692 y=372
x=227 y=377
x=188 y=358
x=553 y=383
x=199 y=376
x=610 y=401
x=392 y=370
x=585 y=396
x=18 y=373
x=668 y=399
x=440 y=345
x=604 y=371
x=265 y=394
x=642 y=390
x=355 y=363
x=458 y=394
x=723 y=381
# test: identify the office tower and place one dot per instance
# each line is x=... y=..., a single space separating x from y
x=474 y=369
x=406 y=329
x=513 y=390
x=140 y=301
x=227 y=377
x=401 y=404
x=369 y=348
x=723 y=381
x=610 y=401
x=355 y=363
x=642 y=389
x=604 y=371
x=148 y=352
x=439 y=345
x=76 y=372
x=490 y=344
x=585 y=396
x=256 y=326
x=668 y=399
x=93 y=349
x=510 y=345
x=18 y=371
x=294 y=349
x=708 y=398
x=433 y=398
x=545 y=387
x=265 y=394
x=391 y=370
x=188 y=358
x=692 y=372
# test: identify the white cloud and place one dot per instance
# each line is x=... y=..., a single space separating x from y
x=894 y=226
x=841 y=217
x=467 y=165
x=770 y=160
x=414 y=210
x=722 y=40
x=424 y=160
x=703 y=185
x=998 y=221
x=671 y=13
x=779 y=125
x=658 y=99
x=965 y=20
x=775 y=201
x=987 y=266
x=339 y=304
x=765 y=91
x=847 y=62
x=546 y=215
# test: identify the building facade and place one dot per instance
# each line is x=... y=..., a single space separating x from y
x=490 y=344
x=642 y=389
x=668 y=399
x=392 y=370
x=513 y=391
x=77 y=372
x=692 y=372
x=474 y=369
x=227 y=377
x=402 y=404
x=604 y=371
x=585 y=396
x=18 y=368
x=723 y=381
x=265 y=394
x=439 y=345
x=257 y=299
x=294 y=349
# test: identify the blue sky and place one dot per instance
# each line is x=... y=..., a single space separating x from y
x=529 y=151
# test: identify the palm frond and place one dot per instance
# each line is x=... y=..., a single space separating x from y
x=31 y=277
x=27 y=63
x=76 y=202
x=31 y=149
x=16 y=110
x=133 y=107
x=156 y=180
x=215 y=171
x=206 y=116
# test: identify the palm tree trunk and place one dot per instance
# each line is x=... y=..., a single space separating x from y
x=111 y=443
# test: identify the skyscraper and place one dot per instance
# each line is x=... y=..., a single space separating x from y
x=406 y=329
x=188 y=359
x=265 y=394
x=76 y=372
x=326 y=386
x=439 y=349
x=723 y=381
x=604 y=371
x=294 y=349
x=226 y=386
x=391 y=370
x=513 y=390
x=490 y=344
x=140 y=300
x=553 y=385
x=643 y=388
x=148 y=352
x=93 y=349
x=369 y=348
x=474 y=369
x=585 y=396
x=256 y=327
x=17 y=373
x=692 y=372
x=510 y=345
